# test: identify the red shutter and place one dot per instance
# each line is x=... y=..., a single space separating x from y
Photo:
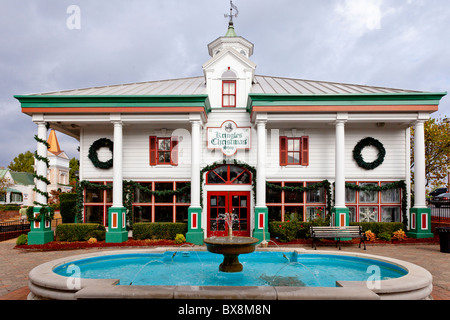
x=305 y=151
x=174 y=151
x=153 y=151
x=283 y=151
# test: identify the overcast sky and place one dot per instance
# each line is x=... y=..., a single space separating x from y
x=391 y=43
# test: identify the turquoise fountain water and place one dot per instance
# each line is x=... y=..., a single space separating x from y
x=199 y=268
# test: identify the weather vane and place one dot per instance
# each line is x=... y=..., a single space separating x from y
x=231 y=15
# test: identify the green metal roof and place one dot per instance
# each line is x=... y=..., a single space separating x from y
x=24 y=178
x=230 y=31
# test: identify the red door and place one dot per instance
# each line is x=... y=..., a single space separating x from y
x=221 y=202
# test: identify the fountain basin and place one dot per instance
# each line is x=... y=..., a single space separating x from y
x=44 y=283
x=231 y=248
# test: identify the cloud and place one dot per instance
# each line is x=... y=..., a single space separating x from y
x=393 y=43
x=360 y=14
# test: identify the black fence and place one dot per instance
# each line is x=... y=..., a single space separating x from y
x=10 y=230
x=441 y=214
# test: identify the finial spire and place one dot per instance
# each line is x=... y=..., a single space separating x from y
x=231 y=15
x=230 y=31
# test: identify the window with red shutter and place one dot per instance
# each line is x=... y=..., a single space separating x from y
x=294 y=151
x=163 y=150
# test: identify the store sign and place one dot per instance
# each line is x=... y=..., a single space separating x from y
x=229 y=137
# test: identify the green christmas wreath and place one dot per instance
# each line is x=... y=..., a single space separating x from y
x=93 y=156
x=366 y=142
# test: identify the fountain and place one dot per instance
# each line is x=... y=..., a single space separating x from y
x=230 y=247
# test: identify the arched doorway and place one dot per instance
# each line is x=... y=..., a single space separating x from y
x=228 y=199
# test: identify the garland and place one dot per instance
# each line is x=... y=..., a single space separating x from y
x=39 y=177
x=45 y=212
x=365 y=143
x=224 y=162
x=93 y=156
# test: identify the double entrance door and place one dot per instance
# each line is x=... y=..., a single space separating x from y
x=235 y=202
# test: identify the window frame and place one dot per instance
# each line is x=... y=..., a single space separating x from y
x=303 y=206
x=154 y=150
x=104 y=205
x=379 y=204
x=229 y=181
x=224 y=82
x=153 y=203
x=303 y=151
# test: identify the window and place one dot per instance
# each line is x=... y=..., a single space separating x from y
x=368 y=196
x=163 y=150
x=229 y=93
x=160 y=208
x=146 y=207
x=16 y=197
x=291 y=204
x=97 y=200
x=294 y=151
x=373 y=205
x=228 y=174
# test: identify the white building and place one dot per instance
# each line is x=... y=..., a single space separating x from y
x=58 y=169
x=21 y=187
x=230 y=132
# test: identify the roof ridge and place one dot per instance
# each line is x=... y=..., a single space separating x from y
x=338 y=83
x=116 y=85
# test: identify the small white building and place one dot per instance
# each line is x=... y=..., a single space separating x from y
x=265 y=148
x=20 y=191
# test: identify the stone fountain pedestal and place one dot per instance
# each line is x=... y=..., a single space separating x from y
x=231 y=248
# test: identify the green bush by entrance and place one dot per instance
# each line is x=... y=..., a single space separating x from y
x=67 y=206
x=158 y=230
x=289 y=231
x=80 y=232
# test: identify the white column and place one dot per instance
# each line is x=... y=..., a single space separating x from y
x=419 y=165
x=41 y=166
x=117 y=165
x=195 y=163
x=340 y=165
x=261 y=164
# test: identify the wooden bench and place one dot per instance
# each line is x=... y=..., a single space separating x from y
x=337 y=233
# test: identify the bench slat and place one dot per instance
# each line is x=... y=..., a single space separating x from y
x=337 y=233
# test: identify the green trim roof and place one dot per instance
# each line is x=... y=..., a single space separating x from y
x=24 y=178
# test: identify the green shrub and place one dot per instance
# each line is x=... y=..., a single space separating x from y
x=158 y=230
x=384 y=236
x=67 y=205
x=289 y=231
x=179 y=239
x=22 y=239
x=10 y=207
x=379 y=227
x=79 y=232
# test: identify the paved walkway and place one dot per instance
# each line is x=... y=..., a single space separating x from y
x=15 y=264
